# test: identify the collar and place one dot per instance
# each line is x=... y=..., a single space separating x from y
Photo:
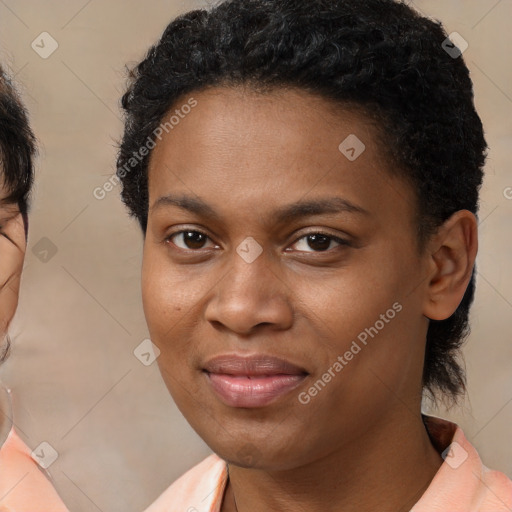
x=462 y=483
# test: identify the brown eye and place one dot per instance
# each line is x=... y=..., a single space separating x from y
x=189 y=239
x=319 y=242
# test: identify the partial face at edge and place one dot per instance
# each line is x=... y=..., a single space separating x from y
x=12 y=253
x=305 y=299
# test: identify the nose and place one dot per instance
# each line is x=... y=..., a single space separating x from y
x=253 y=293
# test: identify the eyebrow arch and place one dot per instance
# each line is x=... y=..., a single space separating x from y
x=282 y=215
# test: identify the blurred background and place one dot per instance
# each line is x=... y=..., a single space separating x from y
x=75 y=379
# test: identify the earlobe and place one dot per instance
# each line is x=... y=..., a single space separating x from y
x=453 y=253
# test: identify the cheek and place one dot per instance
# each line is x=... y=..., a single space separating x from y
x=351 y=298
x=11 y=265
x=366 y=311
x=156 y=294
x=170 y=298
x=8 y=303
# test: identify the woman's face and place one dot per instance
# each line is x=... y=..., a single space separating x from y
x=342 y=308
x=12 y=253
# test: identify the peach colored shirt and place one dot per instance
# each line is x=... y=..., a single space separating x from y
x=23 y=485
x=462 y=483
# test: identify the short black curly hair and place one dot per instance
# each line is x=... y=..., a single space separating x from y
x=378 y=55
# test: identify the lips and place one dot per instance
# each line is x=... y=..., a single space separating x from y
x=252 y=381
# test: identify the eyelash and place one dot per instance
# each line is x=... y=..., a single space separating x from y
x=340 y=241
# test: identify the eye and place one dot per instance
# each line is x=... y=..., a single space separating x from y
x=190 y=239
x=319 y=242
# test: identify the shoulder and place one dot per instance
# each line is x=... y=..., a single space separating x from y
x=497 y=489
x=23 y=486
x=200 y=489
x=463 y=482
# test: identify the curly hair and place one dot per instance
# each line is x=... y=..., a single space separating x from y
x=379 y=56
x=17 y=149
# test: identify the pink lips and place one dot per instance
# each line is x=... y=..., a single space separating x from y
x=252 y=381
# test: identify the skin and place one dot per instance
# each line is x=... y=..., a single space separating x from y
x=360 y=444
x=12 y=253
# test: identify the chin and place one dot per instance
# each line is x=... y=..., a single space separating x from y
x=256 y=455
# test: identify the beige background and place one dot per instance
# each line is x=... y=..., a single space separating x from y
x=76 y=382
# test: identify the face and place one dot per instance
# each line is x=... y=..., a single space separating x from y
x=281 y=281
x=12 y=252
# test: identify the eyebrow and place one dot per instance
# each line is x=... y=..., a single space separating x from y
x=282 y=215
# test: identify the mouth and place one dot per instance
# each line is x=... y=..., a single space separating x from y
x=252 y=381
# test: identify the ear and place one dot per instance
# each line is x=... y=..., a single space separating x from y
x=452 y=254
x=12 y=254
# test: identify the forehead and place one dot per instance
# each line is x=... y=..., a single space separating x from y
x=237 y=146
x=242 y=117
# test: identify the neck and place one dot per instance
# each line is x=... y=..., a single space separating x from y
x=388 y=468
